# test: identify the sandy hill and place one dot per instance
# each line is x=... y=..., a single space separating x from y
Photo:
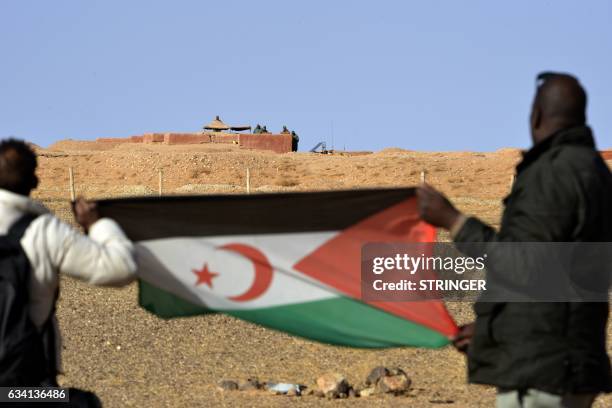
x=134 y=359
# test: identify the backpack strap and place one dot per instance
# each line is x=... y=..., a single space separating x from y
x=19 y=227
x=47 y=333
x=22 y=355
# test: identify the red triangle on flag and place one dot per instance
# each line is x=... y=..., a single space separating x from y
x=337 y=263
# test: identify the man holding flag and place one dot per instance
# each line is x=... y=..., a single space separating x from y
x=542 y=354
x=35 y=248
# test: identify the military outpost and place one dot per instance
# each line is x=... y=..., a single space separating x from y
x=219 y=132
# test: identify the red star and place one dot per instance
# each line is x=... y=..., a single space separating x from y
x=204 y=276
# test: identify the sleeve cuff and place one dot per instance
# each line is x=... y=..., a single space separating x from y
x=105 y=229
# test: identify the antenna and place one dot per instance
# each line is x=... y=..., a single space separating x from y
x=332 y=134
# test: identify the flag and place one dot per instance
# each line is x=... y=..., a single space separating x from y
x=288 y=261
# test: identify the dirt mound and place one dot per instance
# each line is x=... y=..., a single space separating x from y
x=81 y=145
x=394 y=150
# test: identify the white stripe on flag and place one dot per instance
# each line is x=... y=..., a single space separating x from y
x=235 y=273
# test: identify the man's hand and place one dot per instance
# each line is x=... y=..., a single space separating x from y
x=435 y=208
x=463 y=339
x=85 y=213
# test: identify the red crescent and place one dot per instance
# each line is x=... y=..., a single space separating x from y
x=263 y=271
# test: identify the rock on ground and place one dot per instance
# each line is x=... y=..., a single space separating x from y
x=333 y=384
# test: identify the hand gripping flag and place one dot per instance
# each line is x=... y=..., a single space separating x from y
x=289 y=261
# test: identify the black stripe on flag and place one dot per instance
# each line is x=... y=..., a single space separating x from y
x=145 y=218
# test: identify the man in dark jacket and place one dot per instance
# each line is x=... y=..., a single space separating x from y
x=542 y=354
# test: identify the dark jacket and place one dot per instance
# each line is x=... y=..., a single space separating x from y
x=562 y=193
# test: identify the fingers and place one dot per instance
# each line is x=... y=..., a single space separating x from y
x=462 y=345
x=77 y=205
x=83 y=203
x=466 y=332
x=85 y=213
x=83 y=206
x=463 y=339
x=461 y=342
x=90 y=206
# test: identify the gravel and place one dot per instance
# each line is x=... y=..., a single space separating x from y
x=133 y=359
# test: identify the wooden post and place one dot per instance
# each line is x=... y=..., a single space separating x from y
x=161 y=181
x=72 y=191
x=248 y=181
x=423 y=177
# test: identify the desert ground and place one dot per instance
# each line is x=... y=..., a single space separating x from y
x=133 y=359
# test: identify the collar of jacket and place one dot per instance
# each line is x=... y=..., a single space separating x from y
x=579 y=135
x=22 y=203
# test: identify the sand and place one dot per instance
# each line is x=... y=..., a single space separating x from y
x=133 y=359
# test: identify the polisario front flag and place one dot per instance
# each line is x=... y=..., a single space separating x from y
x=288 y=261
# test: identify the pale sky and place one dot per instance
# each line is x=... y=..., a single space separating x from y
x=423 y=75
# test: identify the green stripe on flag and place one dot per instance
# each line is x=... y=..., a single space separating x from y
x=340 y=321
x=165 y=304
x=344 y=322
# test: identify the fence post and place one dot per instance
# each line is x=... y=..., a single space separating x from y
x=423 y=177
x=248 y=181
x=161 y=180
x=72 y=191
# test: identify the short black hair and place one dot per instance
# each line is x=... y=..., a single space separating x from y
x=17 y=166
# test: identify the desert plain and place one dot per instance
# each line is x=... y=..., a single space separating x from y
x=131 y=358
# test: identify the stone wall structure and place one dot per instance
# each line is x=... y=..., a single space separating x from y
x=278 y=143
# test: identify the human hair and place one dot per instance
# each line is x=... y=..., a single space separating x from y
x=17 y=166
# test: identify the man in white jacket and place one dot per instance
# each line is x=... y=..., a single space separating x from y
x=104 y=257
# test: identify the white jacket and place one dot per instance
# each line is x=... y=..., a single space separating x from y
x=105 y=258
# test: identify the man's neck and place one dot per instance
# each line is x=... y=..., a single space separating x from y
x=552 y=129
